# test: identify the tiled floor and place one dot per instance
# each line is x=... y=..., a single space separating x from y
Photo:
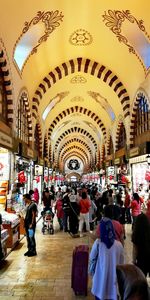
x=47 y=275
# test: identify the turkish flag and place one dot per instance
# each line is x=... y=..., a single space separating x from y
x=21 y=177
x=147 y=175
x=37 y=179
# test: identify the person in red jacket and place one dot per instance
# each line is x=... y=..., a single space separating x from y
x=84 y=205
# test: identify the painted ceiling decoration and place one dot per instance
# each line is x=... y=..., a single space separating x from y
x=114 y=20
x=73 y=164
x=31 y=38
x=80 y=70
x=78 y=79
x=80 y=37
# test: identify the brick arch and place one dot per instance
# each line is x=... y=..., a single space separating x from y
x=84 y=65
x=108 y=144
x=5 y=67
x=40 y=138
x=75 y=109
x=77 y=140
x=45 y=147
x=103 y=152
x=118 y=132
x=25 y=96
x=139 y=94
x=73 y=147
x=75 y=130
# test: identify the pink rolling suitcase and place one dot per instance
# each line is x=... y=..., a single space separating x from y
x=79 y=279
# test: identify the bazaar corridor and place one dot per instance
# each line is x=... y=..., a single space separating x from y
x=47 y=275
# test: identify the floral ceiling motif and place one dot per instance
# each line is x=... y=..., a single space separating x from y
x=77 y=99
x=50 y=19
x=78 y=79
x=114 y=19
x=80 y=37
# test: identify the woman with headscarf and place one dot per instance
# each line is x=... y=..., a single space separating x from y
x=109 y=253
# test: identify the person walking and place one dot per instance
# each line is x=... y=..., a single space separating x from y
x=127 y=206
x=84 y=205
x=141 y=243
x=108 y=253
x=135 y=207
x=30 y=225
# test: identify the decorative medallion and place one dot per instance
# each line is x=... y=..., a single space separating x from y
x=114 y=19
x=80 y=37
x=77 y=99
x=73 y=164
x=78 y=79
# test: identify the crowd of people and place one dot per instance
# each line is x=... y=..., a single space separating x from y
x=82 y=210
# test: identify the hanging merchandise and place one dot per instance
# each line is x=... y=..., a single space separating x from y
x=21 y=177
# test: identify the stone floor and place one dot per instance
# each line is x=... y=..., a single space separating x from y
x=47 y=275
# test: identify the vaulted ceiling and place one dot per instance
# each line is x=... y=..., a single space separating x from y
x=81 y=63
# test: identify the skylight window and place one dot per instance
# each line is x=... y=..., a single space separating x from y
x=27 y=43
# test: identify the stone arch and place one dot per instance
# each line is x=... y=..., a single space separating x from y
x=68 y=176
x=38 y=126
x=45 y=147
x=75 y=140
x=75 y=130
x=75 y=109
x=5 y=67
x=84 y=65
x=118 y=132
x=71 y=148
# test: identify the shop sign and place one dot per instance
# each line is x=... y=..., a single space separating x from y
x=120 y=153
x=30 y=152
x=38 y=170
x=5 y=140
x=138 y=159
x=111 y=171
x=117 y=161
x=134 y=152
x=110 y=157
x=4 y=165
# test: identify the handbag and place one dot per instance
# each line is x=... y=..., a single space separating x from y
x=31 y=233
x=93 y=262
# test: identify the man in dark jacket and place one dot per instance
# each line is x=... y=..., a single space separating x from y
x=30 y=225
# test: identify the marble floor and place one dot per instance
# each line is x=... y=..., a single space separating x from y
x=47 y=275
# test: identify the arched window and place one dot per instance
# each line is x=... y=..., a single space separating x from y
x=22 y=121
x=122 y=137
x=3 y=99
x=142 y=118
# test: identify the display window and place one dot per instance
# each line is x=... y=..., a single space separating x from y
x=139 y=176
x=4 y=176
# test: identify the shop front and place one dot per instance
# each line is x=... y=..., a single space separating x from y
x=140 y=170
x=121 y=164
x=5 y=168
